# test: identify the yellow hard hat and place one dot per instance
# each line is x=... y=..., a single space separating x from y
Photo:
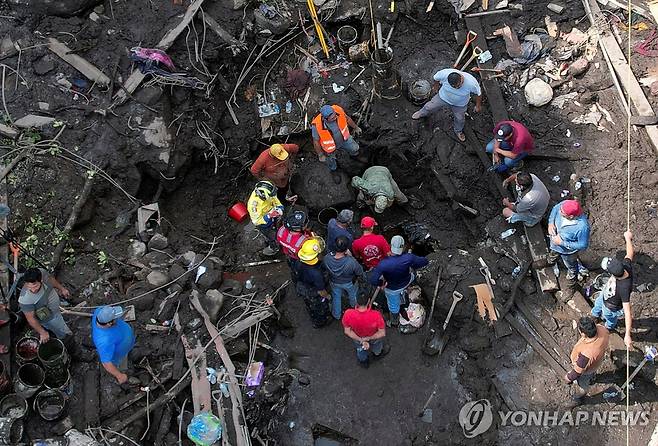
x=310 y=251
x=278 y=152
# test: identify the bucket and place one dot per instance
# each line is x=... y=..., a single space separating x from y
x=4 y=378
x=11 y=430
x=420 y=91
x=50 y=404
x=238 y=212
x=386 y=80
x=359 y=52
x=26 y=350
x=63 y=383
x=29 y=380
x=13 y=406
x=54 y=357
x=346 y=37
x=327 y=214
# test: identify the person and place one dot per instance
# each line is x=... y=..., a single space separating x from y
x=532 y=199
x=344 y=271
x=291 y=236
x=330 y=132
x=395 y=274
x=339 y=226
x=512 y=142
x=265 y=209
x=569 y=230
x=587 y=355
x=366 y=328
x=39 y=302
x=370 y=248
x=114 y=339
x=275 y=164
x=456 y=88
x=614 y=301
x=377 y=187
x=311 y=284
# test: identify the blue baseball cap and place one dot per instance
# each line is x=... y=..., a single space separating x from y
x=108 y=314
x=326 y=111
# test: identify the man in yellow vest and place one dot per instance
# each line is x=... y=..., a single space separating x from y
x=265 y=210
x=330 y=131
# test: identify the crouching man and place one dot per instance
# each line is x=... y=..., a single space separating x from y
x=366 y=328
x=113 y=339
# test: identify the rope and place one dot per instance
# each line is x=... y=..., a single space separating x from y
x=628 y=190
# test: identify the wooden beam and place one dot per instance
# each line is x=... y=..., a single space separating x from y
x=244 y=324
x=224 y=35
x=624 y=71
x=137 y=77
x=82 y=65
x=200 y=385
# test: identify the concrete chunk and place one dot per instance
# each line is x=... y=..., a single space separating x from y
x=7 y=131
x=33 y=121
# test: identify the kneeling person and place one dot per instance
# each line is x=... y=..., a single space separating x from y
x=531 y=201
x=367 y=330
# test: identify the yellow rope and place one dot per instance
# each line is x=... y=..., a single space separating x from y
x=628 y=195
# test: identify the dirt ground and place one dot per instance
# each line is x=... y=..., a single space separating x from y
x=314 y=392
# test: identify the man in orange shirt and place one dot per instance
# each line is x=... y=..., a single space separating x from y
x=275 y=164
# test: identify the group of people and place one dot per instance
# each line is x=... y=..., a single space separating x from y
x=39 y=300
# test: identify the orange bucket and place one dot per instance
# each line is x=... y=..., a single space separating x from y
x=238 y=212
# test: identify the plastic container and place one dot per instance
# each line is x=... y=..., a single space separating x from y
x=11 y=430
x=205 y=429
x=60 y=382
x=347 y=36
x=238 y=212
x=54 y=358
x=26 y=350
x=50 y=404
x=29 y=379
x=13 y=406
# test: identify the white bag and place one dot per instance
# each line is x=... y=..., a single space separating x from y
x=416 y=315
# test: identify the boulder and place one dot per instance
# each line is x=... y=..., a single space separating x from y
x=158 y=241
x=7 y=48
x=43 y=65
x=188 y=258
x=211 y=279
x=156 y=259
x=212 y=301
x=538 y=92
x=136 y=249
x=144 y=303
x=157 y=278
x=579 y=67
x=175 y=273
x=33 y=121
x=319 y=188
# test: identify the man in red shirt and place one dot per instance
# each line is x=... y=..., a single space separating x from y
x=274 y=164
x=366 y=328
x=512 y=142
x=370 y=248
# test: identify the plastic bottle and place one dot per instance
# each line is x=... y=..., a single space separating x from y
x=516 y=272
x=507 y=233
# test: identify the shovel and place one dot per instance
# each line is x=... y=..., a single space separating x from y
x=426 y=414
x=614 y=393
x=435 y=342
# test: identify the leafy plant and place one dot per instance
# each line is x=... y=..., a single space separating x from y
x=102 y=259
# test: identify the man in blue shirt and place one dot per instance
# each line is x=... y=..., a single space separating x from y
x=455 y=93
x=113 y=339
x=343 y=271
x=569 y=230
x=397 y=274
x=339 y=226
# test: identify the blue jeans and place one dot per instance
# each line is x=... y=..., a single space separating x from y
x=352 y=289
x=394 y=297
x=436 y=103
x=58 y=326
x=269 y=232
x=572 y=263
x=508 y=163
x=526 y=219
x=610 y=317
x=375 y=347
x=349 y=145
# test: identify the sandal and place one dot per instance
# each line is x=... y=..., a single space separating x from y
x=461 y=136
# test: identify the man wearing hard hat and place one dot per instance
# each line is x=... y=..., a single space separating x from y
x=275 y=164
x=265 y=209
x=311 y=284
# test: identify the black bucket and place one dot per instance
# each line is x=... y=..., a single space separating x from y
x=50 y=404
x=13 y=406
x=26 y=350
x=327 y=214
x=29 y=380
x=386 y=79
x=54 y=357
x=59 y=382
x=11 y=430
x=347 y=36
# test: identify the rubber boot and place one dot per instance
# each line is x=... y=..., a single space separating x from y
x=395 y=319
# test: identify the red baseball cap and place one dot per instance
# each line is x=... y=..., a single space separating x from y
x=571 y=208
x=368 y=222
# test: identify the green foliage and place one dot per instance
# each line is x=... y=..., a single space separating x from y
x=102 y=259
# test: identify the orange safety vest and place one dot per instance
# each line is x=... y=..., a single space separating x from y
x=326 y=139
x=290 y=242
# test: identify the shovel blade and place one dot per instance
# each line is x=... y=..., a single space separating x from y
x=427 y=416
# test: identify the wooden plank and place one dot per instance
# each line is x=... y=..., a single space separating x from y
x=539 y=253
x=167 y=40
x=200 y=385
x=5 y=332
x=92 y=397
x=624 y=72
x=239 y=423
x=82 y=65
x=221 y=32
x=243 y=325
x=539 y=328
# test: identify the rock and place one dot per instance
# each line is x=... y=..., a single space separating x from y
x=144 y=303
x=175 y=273
x=319 y=188
x=158 y=241
x=188 y=258
x=43 y=65
x=7 y=47
x=505 y=265
x=211 y=279
x=156 y=259
x=136 y=249
x=528 y=286
x=157 y=278
x=60 y=8
x=589 y=97
x=33 y=121
x=276 y=24
x=212 y=302
x=505 y=283
x=579 y=67
x=649 y=180
x=231 y=286
x=653 y=88
x=44 y=106
x=7 y=131
x=538 y=92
